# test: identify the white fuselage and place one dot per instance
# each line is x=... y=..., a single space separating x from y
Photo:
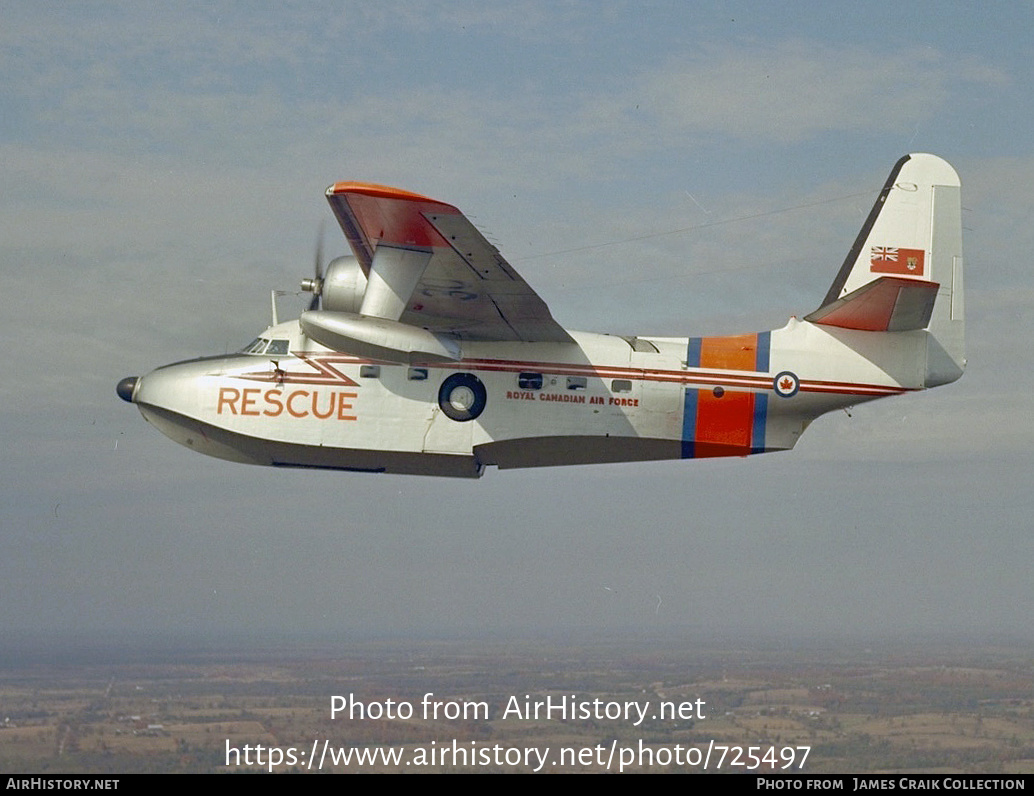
x=425 y=352
x=599 y=399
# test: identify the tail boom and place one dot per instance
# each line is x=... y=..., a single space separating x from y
x=892 y=322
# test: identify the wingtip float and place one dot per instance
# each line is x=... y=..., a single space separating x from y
x=424 y=352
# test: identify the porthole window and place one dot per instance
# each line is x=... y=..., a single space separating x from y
x=462 y=397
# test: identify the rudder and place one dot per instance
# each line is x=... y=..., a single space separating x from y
x=904 y=270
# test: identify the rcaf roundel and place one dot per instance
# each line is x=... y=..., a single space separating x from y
x=786 y=384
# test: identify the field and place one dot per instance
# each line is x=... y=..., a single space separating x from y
x=895 y=707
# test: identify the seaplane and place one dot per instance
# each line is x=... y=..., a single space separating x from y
x=425 y=352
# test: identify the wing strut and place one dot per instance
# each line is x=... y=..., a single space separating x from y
x=394 y=275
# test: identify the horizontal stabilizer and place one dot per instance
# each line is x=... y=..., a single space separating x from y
x=889 y=304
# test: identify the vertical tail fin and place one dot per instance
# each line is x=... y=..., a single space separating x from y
x=904 y=270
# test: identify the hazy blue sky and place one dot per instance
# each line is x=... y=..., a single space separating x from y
x=163 y=166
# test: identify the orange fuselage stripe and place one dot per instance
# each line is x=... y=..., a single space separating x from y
x=738 y=352
x=724 y=422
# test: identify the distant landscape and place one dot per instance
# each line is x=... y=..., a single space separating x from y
x=94 y=707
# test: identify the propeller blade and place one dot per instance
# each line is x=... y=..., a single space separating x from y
x=319 y=251
x=317 y=282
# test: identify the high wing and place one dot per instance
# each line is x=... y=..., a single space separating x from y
x=428 y=267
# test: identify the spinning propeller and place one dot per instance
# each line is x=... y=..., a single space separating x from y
x=315 y=285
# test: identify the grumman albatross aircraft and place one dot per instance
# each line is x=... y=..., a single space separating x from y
x=425 y=352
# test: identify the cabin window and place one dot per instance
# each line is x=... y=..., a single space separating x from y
x=576 y=382
x=417 y=374
x=621 y=385
x=279 y=347
x=529 y=381
x=369 y=371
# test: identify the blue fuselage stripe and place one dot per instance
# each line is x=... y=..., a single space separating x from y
x=693 y=352
x=757 y=431
x=689 y=423
x=764 y=351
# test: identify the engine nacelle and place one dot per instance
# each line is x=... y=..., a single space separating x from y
x=343 y=285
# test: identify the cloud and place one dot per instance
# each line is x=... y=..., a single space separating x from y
x=163 y=167
x=790 y=91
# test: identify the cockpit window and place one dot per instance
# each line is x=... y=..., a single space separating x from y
x=261 y=345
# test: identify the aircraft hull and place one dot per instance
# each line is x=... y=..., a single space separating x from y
x=450 y=362
x=597 y=399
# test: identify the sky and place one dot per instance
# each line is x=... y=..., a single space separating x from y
x=650 y=168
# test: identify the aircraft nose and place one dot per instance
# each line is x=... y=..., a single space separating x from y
x=126 y=387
